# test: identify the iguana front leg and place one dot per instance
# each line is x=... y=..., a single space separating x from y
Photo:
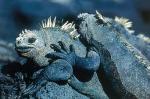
x=90 y=63
x=59 y=70
x=82 y=87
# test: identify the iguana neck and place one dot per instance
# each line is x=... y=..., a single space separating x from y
x=40 y=59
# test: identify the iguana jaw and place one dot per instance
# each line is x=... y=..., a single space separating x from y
x=24 y=50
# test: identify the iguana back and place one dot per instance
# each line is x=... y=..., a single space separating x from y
x=132 y=66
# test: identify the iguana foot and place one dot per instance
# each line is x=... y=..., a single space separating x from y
x=62 y=52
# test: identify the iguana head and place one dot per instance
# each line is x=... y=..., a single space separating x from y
x=95 y=25
x=88 y=21
x=29 y=44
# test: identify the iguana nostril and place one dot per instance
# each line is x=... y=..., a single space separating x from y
x=18 y=42
x=31 y=40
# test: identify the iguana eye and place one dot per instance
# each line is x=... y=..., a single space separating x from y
x=31 y=40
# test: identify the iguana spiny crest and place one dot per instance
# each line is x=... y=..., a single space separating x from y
x=119 y=21
x=143 y=37
x=66 y=27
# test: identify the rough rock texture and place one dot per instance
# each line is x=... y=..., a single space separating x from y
x=66 y=92
x=55 y=91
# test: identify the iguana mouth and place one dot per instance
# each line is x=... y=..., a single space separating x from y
x=24 y=49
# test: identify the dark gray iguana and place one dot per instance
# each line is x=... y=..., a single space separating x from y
x=35 y=45
x=122 y=65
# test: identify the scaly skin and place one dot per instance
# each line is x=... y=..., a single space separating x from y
x=123 y=68
x=35 y=46
x=77 y=62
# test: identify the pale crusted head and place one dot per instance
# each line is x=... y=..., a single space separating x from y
x=29 y=43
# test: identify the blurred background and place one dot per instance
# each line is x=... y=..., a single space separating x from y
x=16 y=15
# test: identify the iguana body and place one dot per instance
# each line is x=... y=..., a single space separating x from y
x=35 y=45
x=132 y=67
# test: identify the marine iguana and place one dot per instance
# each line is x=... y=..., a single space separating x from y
x=123 y=67
x=35 y=45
